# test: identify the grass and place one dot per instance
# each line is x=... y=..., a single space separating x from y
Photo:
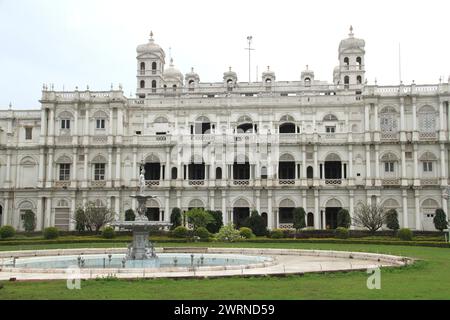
x=427 y=279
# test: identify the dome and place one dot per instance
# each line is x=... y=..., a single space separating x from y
x=192 y=75
x=173 y=73
x=150 y=47
x=229 y=74
x=351 y=43
x=268 y=73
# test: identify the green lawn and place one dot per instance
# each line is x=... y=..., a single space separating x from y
x=427 y=279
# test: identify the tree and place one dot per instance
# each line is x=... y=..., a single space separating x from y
x=80 y=220
x=370 y=217
x=392 y=220
x=93 y=218
x=175 y=218
x=130 y=215
x=199 y=218
x=440 y=220
x=343 y=219
x=29 y=221
x=217 y=223
x=228 y=233
x=299 y=218
x=257 y=223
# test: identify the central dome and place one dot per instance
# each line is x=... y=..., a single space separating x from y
x=173 y=73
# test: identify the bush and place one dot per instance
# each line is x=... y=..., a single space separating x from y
x=202 y=233
x=343 y=219
x=29 y=221
x=277 y=234
x=7 y=232
x=392 y=220
x=80 y=220
x=217 y=223
x=299 y=218
x=199 y=218
x=108 y=233
x=51 y=233
x=180 y=232
x=246 y=233
x=257 y=223
x=341 y=233
x=405 y=234
x=130 y=215
x=175 y=218
x=228 y=233
x=440 y=220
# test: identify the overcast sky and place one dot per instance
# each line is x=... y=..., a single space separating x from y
x=78 y=42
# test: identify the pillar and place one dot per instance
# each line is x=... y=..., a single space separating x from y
x=377 y=163
x=417 y=208
x=52 y=123
x=119 y=122
x=402 y=120
x=74 y=167
x=110 y=126
x=118 y=167
x=211 y=200
x=367 y=117
x=350 y=163
x=224 y=207
x=405 y=209
x=8 y=167
x=414 y=118
x=376 y=120
x=43 y=125
x=72 y=214
x=441 y=116
x=270 y=214
x=41 y=168
x=416 y=165
x=368 y=173
x=316 y=165
x=403 y=166
x=443 y=167
x=109 y=179
x=316 y=210
x=5 y=212
x=86 y=169
x=324 y=219
x=50 y=168
x=48 y=213
x=303 y=162
x=351 y=208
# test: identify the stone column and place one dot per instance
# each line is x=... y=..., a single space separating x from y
x=376 y=120
x=377 y=165
x=324 y=219
x=211 y=200
x=50 y=168
x=405 y=209
x=443 y=167
x=404 y=181
x=441 y=116
x=258 y=201
x=119 y=122
x=303 y=162
x=86 y=126
x=5 y=212
x=417 y=205
x=72 y=214
x=416 y=166
x=350 y=176
x=41 y=168
x=367 y=118
x=43 y=126
x=8 y=167
x=317 y=224
x=351 y=208
x=109 y=179
x=52 y=124
x=135 y=171
x=118 y=167
x=111 y=122
x=368 y=170
x=402 y=120
x=448 y=119
x=86 y=168
x=74 y=167
x=224 y=207
x=48 y=214
x=75 y=127
x=414 y=115
x=270 y=214
x=39 y=208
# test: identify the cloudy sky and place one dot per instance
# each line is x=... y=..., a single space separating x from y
x=93 y=42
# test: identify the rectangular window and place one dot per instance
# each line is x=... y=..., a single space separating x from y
x=28 y=133
x=330 y=129
x=389 y=167
x=65 y=124
x=64 y=172
x=100 y=124
x=427 y=166
x=99 y=172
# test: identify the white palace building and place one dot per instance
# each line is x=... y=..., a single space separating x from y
x=231 y=146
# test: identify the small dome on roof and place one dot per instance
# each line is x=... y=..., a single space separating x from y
x=150 y=47
x=229 y=74
x=192 y=75
x=268 y=73
x=172 y=73
x=351 y=43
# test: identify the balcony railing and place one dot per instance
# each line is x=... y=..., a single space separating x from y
x=333 y=181
x=428 y=136
x=389 y=136
x=62 y=184
x=241 y=182
x=284 y=182
x=391 y=182
x=196 y=182
x=98 y=184
x=429 y=181
x=151 y=183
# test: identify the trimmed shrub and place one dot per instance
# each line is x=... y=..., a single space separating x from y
x=341 y=233
x=405 y=234
x=257 y=223
x=440 y=220
x=246 y=233
x=343 y=219
x=199 y=218
x=299 y=218
x=392 y=220
x=180 y=232
x=7 y=232
x=175 y=218
x=51 y=233
x=130 y=215
x=29 y=221
x=108 y=233
x=217 y=223
x=228 y=233
x=202 y=233
x=277 y=234
x=80 y=220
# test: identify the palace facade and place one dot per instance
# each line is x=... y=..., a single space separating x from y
x=231 y=146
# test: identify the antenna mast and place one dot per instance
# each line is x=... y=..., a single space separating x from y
x=399 y=63
x=250 y=49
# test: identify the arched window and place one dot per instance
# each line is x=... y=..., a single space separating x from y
x=310 y=219
x=174 y=173
x=309 y=172
x=359 y=62
x=307 y=82
x=347 y=61
x=142 y=66
x=142 y=84
x=264 y=173
x=427 y=119
x=346 y=81
x=388 y=120
x=219 y=173
x=268 y=81
x=358 y=80
x=154 y=84
x=330 y=117
x=154 y=66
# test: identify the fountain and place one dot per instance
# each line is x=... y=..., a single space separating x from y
x=141 y=248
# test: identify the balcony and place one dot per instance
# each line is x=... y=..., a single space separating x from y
x=196 y=183
x=429 y=182
x=286 y=182
x=99 y=140
x=62 y=184
x=98 y=184
x=389 y=136
x=65 y=140
x=333 y=181
x=241 y=182
x=390 y=182
x=152 y=183
x=428 y=136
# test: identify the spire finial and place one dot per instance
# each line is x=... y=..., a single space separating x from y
x=268 y=68
x=229 y=68
x=192 y=69
x=171 y=61
x=151 y=35
x=307 y=67
x=351 y=31
x=10 y=106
